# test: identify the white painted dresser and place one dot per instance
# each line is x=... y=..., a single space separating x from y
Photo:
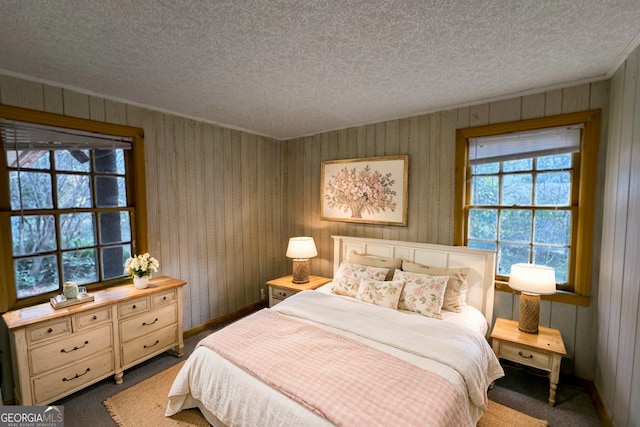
x=58 y=352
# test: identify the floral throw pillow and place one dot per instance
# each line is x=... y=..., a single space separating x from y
x=382 y=293
x=347 y=279
x=422 y=293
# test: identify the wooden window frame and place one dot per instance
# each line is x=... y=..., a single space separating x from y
x=136 y=197
x=588 y=161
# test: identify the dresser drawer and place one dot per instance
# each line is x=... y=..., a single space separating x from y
x=76 y=376
x=149 y=344
x=66 y=351
x=164 y=298
x=46 y=330
x=133 y=307
x=148 y=323
x=92 y=318
x=532 y=358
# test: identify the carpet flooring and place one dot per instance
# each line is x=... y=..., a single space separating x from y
x=519 y=389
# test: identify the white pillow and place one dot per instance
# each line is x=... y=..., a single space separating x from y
x=383 y=293
x=347 y=279
x=422 y=293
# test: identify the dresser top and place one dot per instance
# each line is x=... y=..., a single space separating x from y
x=37 y=313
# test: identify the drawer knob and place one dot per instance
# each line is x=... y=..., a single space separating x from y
x=49 y=330
x=164 y=297
x=74 y=348
x=155 y=343
x=134 y=306
x=76 y=376
x=95 y=317
x=147 y=324
x=527 y=357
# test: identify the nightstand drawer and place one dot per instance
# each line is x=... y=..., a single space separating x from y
x=279 y=293
x=527 y=356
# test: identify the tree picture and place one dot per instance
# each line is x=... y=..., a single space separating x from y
x=365 y=190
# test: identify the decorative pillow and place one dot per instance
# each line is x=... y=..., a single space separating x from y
x=374 y=261
x=421 y=293
x=456 y=294
x=383 y=293
x=347 y=279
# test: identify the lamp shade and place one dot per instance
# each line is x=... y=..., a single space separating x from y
x=301 y=248
x=532 y=278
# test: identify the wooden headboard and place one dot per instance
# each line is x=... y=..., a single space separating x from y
x=481 y=263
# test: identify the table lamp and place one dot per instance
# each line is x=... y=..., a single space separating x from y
x=301 y=249
x=532 y=281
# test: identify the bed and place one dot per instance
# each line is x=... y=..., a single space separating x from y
x=345 y=355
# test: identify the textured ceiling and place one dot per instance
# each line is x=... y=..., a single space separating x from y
x=286 y=68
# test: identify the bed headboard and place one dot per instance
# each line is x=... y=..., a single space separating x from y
x=481 y=263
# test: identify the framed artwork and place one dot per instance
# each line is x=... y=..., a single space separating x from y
x=371 y=190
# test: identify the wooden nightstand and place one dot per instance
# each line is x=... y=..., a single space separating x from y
x=282 y=288
x=543 y=350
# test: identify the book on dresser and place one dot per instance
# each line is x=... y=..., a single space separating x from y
x=56 y=352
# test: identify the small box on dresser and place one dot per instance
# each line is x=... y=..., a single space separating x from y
x=58 y=352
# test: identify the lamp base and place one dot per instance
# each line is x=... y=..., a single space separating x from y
x=529 y=313
x=301 y=270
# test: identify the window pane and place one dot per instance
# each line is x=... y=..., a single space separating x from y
x=509 y=254
x=30 y=190
x=555 y=257
x=109 y=161
x=479 y=244
x=80 y=266
x=484 y=190
x=559 y=161
x=516 y=189
x=77 y=230
x=113 y=259
x=517 y=165
x=515 y=225
x=115 y=227
x=72 y=160
x=73 y=191
x=553 y=189
x=485 y=169
x=33 y=234
x=31 y=159
x=36 y=275
x=483 y=224
x=552 y=227
x=110 y=192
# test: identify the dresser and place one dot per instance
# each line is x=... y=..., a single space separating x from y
x=58 y=352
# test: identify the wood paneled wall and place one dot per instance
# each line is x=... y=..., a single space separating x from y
x=213 y=197
x=618 y=342
x=429 y=140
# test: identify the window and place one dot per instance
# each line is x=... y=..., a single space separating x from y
x=70 y=204
x=526 y=190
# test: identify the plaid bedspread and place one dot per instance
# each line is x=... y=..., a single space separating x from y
x=343 y=380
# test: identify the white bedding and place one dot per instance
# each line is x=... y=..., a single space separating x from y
x=469 y=316
x=229 y=396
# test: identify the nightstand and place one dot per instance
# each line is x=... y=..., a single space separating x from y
x=282 y=288
x=543 y=350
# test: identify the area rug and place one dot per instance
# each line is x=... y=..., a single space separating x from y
x=144 y=404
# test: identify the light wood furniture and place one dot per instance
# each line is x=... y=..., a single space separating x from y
x=58 y=352
x=282 y=288
x=543 y=350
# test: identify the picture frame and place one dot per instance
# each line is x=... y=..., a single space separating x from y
x=369 y=190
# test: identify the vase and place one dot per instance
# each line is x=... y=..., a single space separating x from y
x=141 y=282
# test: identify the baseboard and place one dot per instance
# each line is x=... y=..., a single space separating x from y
x=605 y=417
x=224 y=319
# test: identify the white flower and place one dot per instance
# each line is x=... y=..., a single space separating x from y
x=141 y=265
